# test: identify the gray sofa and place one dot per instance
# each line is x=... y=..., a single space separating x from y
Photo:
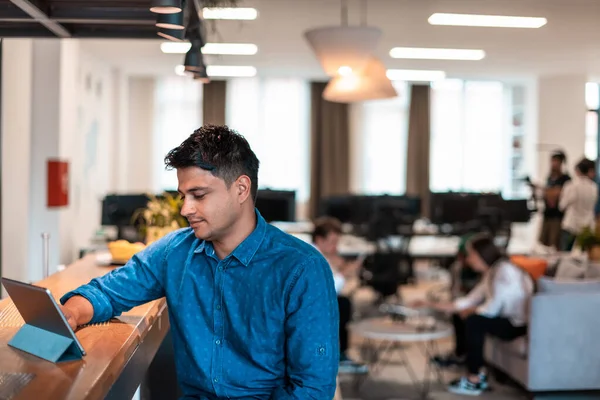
x=562 y=349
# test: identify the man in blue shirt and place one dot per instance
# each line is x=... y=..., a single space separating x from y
x=253 y=310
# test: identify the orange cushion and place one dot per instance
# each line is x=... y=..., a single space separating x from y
x=535 y=266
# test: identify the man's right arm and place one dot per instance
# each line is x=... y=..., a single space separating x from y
x=138 y=282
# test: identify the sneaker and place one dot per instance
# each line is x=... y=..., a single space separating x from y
x=448 y=360
x=465 y=387
x=483 y=382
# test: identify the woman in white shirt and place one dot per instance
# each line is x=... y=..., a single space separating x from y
x=578 y=202
x=497 y=306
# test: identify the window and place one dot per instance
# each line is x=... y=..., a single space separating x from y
x=379 y=132
x=178 y=113
x=274 y=116
x=592 y=99
x=469 y=148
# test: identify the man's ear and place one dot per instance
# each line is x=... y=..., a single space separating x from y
x=243 y=186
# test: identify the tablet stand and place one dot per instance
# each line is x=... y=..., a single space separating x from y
x=45 y=344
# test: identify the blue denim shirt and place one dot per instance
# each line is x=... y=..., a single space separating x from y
x=260 y=324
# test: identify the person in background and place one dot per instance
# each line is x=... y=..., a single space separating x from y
x=497 y=306
x=253 y=310
x=326 y=238
x=464 y=279
x=578 y=201
x=551 y=225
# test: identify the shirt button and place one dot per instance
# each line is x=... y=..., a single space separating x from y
x=216 y=380
x=321 y=350
x=220 y=268
x=218 y=306
x=218 y=341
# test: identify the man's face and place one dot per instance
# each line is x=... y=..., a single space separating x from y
x=555 y=164
x=328 y=245
x=592 y=173
x=209 y=206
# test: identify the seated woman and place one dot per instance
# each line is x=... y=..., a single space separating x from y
x=464 y=279
x=497 y=306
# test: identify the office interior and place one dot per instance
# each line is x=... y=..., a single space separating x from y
x=440 y=141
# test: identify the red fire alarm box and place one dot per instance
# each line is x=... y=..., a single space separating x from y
x=58 y=183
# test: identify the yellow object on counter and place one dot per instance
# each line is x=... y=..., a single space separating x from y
x=122 y=250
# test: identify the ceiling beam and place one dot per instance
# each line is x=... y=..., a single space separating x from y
x=41 y=17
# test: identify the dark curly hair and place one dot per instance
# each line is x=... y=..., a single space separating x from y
x=220 y=150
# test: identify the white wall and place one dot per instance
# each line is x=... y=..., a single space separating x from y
x=58 y=102
x=16 y=148
x=561 y=119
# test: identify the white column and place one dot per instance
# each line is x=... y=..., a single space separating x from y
x=16 y=147
x=140 y=163
x=561 y=120
x=45 y=139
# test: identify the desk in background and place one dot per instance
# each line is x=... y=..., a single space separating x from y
x=119 y=352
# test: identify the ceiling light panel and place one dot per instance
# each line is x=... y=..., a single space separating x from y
x=436 y=54
x=242 y=49
x=413 y=75
x=237 y=13
x=496 y=21
x=231 y=71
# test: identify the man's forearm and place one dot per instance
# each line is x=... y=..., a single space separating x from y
x=81 y=309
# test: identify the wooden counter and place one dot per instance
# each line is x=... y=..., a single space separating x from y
x=118 y=352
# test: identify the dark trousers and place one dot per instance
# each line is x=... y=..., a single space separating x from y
x=477 y=327
x=345 y=307
x=567 y=240
x=460 y=336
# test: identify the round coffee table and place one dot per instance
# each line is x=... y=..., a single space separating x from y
x=386 y=336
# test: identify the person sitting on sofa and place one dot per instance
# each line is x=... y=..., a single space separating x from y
x=464 y=279
x=497 y=306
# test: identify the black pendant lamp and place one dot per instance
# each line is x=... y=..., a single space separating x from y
x=201 y=75
x=170 y=21
x=166 y=6
x=193 y=59
x=176 y=35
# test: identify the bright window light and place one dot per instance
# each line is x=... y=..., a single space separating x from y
x=497 y=21
x=239 y=13
x=413 y=75
x=211 y=48
x=436 y=54
x=231 y=70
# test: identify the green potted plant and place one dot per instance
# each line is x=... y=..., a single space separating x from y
x=161 y=216
x=589 y=240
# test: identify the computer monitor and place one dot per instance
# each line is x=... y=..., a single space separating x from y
x=276 y=205
x=451 y=208
x=118 y=210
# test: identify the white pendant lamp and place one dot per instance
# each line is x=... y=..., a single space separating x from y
x=370 y=83
x=343 y=46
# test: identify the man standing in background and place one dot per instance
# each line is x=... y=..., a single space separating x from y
x=551 y=225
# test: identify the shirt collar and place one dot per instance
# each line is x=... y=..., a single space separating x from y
x=248 y=248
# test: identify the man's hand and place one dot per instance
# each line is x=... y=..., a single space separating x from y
x=443 y=307
x=420 y=304
x=464 y=314
x=71 y=315
x=78 y=311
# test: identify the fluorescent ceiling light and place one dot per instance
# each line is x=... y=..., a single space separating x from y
x=180 y=70
x=436 y=54
x=415 y=75
x=243 y=49
x=498 y=21
x=230 y=13
x=344 y=70
x=231 y=70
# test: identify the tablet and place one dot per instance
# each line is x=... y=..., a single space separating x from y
x=38 y=308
